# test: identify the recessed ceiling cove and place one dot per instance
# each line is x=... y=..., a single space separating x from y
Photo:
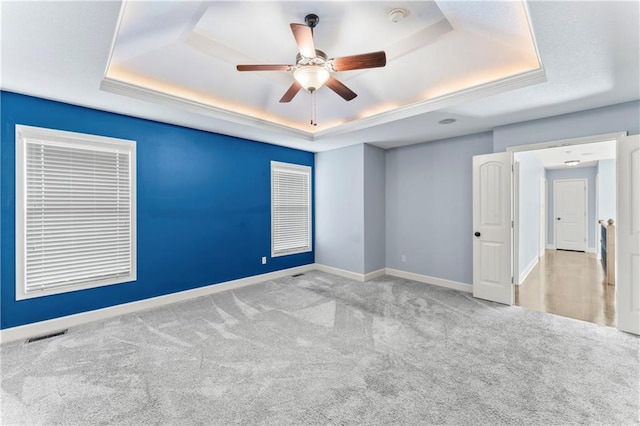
x=438 y=54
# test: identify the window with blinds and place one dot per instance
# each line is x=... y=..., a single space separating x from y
x=290 y=208
x=75 y=211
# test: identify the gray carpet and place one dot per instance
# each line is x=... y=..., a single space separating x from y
x=320 y=349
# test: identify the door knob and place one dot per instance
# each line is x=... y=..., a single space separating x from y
x=558 y=218
x=477 y=234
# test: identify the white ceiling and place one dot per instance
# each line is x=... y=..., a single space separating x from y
x=588 y=154
x=163 y=53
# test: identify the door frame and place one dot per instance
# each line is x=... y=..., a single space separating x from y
x=586 y=211
x=562 y=142
x=542 y=217
x=554 y=144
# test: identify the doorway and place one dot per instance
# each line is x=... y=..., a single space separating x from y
x=566 y=278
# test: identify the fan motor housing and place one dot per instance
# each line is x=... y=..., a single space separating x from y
x=320 y=59
x=311 y=20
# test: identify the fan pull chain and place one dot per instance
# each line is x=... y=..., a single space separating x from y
x=313 y=109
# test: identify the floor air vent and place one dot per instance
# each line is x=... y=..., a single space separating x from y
x=297 y=275
x=47 y=336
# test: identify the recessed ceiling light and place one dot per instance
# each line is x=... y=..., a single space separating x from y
x=572 y=163
x=447 y=121
x=587 y=153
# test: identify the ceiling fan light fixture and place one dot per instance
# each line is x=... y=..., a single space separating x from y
x=311 y=77
x=572 y=163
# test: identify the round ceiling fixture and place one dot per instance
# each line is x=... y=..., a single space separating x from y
x=447 y=121
x=396 y=15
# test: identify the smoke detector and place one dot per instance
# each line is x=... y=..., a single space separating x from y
x=396 y=15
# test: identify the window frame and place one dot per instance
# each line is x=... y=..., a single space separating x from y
x=300 y=169
x=60 y=138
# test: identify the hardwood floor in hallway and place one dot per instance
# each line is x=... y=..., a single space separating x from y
x=570 y=284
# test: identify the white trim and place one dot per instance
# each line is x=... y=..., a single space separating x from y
x=297 y=169
x=515 y=215
x=542 y=216
x=525 y=273
x=502 y=85
x=567 y=142
x=551 y=247
x=60 y=138
x=137 y=92
x=375 y=274
x=590 y=250
x=48 y=326
x=42 y=327
x=441 y=282
x=341 y=272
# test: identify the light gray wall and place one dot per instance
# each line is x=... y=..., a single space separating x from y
x=573 y=173
x=531 y=171
x=339 y=204
x=428 y=194
x=374 y=209
x=429 y=205
x=609 y=119
x=607 y=190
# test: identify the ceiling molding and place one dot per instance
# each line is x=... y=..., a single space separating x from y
x=481 y=91
x=145 y=94
x=466 y=95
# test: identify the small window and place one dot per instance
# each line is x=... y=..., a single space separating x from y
x=75 y=211
x=290 y=208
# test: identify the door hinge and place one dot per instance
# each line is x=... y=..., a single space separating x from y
x=512 y=224
x=511 y=280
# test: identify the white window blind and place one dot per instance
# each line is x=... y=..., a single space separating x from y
x=291 y=208
x=76 y=211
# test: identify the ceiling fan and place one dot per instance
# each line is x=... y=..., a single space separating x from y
x=313 y=68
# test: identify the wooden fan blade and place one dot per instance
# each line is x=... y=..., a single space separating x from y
x=342 y=90
x=358 y=62
x=263 y=67
x=304 y=40
x=291 y=92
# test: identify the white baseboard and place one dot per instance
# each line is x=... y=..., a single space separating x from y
x=48 y=326
x=455 y=285
x=375 y=274
x=551 y=246
x=524 y=274
x=43 y=327
x=341 y=272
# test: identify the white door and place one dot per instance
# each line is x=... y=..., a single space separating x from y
x=570 y=207
x=492 y=279
x=628 y=235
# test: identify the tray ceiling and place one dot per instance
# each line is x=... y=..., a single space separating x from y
x=69 y=51
x=440 y=54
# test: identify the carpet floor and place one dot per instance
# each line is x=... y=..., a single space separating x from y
x=321 y=349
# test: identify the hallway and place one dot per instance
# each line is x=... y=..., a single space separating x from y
x=570 y=284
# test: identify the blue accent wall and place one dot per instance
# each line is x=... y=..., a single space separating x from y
x=203 y=207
